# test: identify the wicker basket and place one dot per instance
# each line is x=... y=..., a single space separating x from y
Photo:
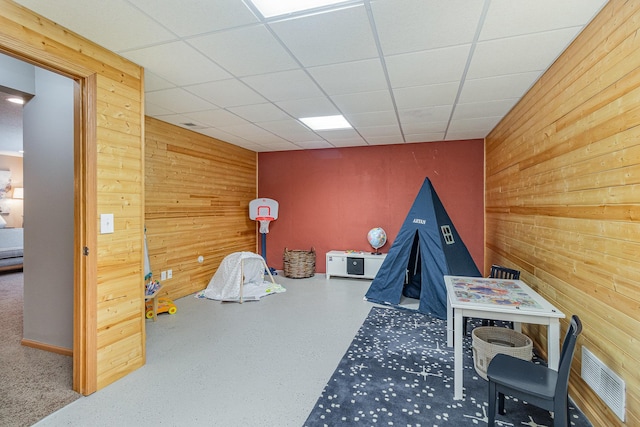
x=487 y=341
x=299 y=264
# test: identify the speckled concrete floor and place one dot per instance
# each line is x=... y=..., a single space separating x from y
x=261 y=363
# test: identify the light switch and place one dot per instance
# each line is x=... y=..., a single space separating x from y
x=106 y=223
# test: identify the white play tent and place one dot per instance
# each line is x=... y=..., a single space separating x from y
x=240 y=277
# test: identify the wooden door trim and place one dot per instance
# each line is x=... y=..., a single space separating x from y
x=85 y=345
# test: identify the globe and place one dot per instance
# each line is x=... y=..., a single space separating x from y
x=377 y=238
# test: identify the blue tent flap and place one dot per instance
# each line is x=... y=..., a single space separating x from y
x=427 y=248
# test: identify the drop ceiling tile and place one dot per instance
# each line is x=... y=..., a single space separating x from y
x=314 y=145
x=350 y=77
x=227 y=137
x=429 y=95
x=377 y=118
x=98 y=21
x=275 y=140
x=428 y=114
x=384 y=140
x=533 y=52
x=475 y=124
x=313 y=107
x=425 y=137
x=373 y=131
x=364 y=102
x=413 y=25
x=341 y=134
x=427 y=67
x=495 y=88
x=177 y=63
x=506 y=18
x=259 y=112
x=282 y=146
x=348 y=142
x=459 y=136
x=328 y=38
x=248 y=131
x=154 y=82
x=483 y=109
x=226 y=93
x=217 y=117
x=178 y=100
x=251 y=146
x=189 y=17
x=284 y=85
x=261 y=52
x=424 y=127
x=154 y=110
x=291 y=130
x=179 y=120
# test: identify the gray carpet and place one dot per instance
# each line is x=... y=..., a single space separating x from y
x=33 y=383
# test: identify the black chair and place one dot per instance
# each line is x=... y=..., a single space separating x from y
x=500 y=272
x=497 y=272
x=535 y=384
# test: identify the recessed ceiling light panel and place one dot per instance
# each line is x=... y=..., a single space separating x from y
x=16 y=100
x=271 y=8
x=326 y=122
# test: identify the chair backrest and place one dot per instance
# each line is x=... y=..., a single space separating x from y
x=500 y=272
x=566 y=355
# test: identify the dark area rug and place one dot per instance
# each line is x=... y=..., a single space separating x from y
x=398 y=371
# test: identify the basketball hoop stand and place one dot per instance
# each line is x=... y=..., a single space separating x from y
x=264 y=229
x=264 y=211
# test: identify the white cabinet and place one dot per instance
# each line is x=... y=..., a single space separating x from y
x=361 y=265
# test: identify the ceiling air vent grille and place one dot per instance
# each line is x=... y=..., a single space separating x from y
x=609 y=386
x=191 y=125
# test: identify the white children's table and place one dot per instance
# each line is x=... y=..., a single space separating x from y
x=497 y=299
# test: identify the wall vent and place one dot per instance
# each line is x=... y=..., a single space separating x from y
x=609 y=386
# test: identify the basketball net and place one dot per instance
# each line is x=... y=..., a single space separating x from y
x=264 y=224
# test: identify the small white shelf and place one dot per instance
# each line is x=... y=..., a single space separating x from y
x=357 y=265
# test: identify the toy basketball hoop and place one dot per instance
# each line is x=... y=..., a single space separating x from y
x=264 y=223
x=263 y=211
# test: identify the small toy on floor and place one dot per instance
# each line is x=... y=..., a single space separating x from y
x=165 y=305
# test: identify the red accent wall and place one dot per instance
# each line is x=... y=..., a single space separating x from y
x=329 y=199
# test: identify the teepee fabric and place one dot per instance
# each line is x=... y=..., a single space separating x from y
x=426 y=249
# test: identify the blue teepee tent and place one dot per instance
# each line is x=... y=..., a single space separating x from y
x=426 y=249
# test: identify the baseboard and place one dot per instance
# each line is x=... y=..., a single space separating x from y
x=47 y=347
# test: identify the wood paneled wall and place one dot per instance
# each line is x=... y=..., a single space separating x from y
x=563 y=197
x=120 y=189
x=113 y=311
x=198 y=191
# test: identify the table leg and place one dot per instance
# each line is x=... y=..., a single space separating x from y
x=517 y=326
x=457 y=356
x=449 y=324
x=553 y=343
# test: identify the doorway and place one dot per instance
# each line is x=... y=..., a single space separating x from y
x=43 y=128
x=58 y=167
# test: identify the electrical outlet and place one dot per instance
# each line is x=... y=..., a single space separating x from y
x=169 y=274
x=163 y=275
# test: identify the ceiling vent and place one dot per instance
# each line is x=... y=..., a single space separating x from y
x=192 y=125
